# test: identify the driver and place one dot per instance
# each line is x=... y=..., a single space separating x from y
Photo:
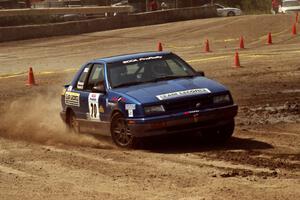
x=160 y=69
x=100 y=85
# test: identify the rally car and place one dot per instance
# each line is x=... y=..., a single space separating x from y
x=224 y=11
x=227 y=11
x=129 y=97
x=289 y=6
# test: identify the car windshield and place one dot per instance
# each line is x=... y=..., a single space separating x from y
x=290 y=3
x=147 y=69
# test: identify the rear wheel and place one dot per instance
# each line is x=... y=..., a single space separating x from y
x=120 y=132
x=230 y=14
x=72 y=122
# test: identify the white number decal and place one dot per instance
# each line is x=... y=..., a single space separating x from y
x=94 y=106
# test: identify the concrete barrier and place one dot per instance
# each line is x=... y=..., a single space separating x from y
x=86 y=26
x=61 y=11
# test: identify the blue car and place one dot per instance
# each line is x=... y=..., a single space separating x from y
x=129 y=97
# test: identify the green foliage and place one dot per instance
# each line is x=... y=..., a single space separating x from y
x=248 y=5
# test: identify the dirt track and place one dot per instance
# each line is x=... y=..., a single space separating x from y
x=40 y=160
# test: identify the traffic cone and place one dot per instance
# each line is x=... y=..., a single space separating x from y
x=30 y=81
x=159 y=47
x=237 y=60
x=206 y=48
x=270 y=38
x=294 y=31
x=242 y=45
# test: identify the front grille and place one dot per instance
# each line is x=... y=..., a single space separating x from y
x=188 y=104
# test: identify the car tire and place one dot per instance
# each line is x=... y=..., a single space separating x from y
x=72 y=122
x=221 y=134
x=230 y=14
x=120 y=132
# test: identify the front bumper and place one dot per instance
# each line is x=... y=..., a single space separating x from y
x=191 y=121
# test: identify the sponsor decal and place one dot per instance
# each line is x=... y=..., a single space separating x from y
x=86 y=70
x=183 y=93
x=80 y=85
x=122 y=99
x=70 y=88
x=141 y=59
x=130 y=108
x=118 y=99
x=72 y=99
x=94 y=109
x=101 y=109
x=114 y=99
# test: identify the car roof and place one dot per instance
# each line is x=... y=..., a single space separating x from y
x=123 y=57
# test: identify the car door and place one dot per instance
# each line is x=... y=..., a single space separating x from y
x=79 y=90
x=94 y=102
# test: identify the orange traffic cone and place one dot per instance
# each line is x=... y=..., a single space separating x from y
x=270 y=38
x=242 y=45
x=159 y=47
x=30 y=81
x=206 y=47
x=294 y=31
x=236 y=60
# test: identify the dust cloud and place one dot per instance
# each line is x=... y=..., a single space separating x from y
x=37 y=119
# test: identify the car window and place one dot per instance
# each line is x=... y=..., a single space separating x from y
x=82 y=79
x=96 y=75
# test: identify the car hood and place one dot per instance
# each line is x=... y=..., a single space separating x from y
x=151 y=92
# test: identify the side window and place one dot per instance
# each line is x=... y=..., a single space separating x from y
x=82 y=79
x=96 y=75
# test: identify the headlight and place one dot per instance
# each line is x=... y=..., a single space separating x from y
x=154 y=109
x=221 y=99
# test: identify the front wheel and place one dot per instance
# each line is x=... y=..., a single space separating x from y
x=120 y=132
x=231 y=14
x=73 y=123
x=221 y=134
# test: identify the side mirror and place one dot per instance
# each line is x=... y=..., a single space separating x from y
x=99 y=88
x=200 y=73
